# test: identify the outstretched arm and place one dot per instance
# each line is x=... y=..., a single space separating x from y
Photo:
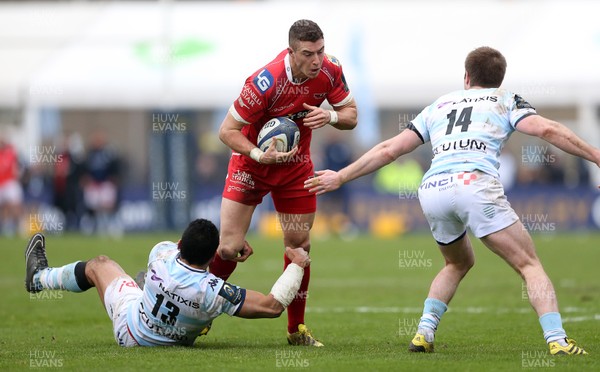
x=379 y=156
x=560 y=136
x=258 y=305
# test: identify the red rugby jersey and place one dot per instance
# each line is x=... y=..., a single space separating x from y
x=271 y=92
x=8 y=164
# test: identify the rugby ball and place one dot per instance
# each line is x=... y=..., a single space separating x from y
x=282 y=130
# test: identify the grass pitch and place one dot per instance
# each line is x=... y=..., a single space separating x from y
x=365 y=299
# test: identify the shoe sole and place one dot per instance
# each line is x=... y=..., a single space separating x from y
x=418 y=349
x=31 y=246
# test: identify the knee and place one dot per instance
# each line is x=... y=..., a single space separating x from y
x=99 y=261
x=464 y=266
x=303 y=242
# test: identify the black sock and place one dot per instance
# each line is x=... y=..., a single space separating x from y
x=80 y=277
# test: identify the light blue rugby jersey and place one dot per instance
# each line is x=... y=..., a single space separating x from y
x=179 y=301
x=468 y=129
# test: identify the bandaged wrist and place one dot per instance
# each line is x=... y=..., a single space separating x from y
x=256 y=154
x=333 y=117
x=285 y=288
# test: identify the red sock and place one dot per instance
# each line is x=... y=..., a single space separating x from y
x=296 y=309
x=222 y=268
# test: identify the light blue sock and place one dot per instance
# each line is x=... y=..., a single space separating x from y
x=432 y=313
x=58 y=278
x=552 y=327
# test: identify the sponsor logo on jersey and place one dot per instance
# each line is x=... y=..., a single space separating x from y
x=477 y=99
x=333 y=59
x=263 y=81
x=231 y=293
x=440 y=105
x=281 y=108
x=155 y=277
x=298 y=115
x=178 y=298
x=346 y=89
x=521 y=103
x=249 y=96
x=329 y=75
x=460 y=145
x=213 y=283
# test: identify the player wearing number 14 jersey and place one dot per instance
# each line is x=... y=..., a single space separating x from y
x=180 y=298
x=467 y=130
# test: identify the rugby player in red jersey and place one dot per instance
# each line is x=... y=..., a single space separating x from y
x=294 y=84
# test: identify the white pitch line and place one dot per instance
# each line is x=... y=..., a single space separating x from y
x=466 y=310
x=576 y=319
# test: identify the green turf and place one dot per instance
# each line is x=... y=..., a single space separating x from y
x=363 y=305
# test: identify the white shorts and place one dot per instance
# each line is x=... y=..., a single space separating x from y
x=452 y=202
x=11 y=192
x=120 y=294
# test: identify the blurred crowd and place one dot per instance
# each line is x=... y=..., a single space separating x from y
x=76 y=183
x=84 y=187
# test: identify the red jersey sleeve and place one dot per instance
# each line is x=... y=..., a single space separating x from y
x=251 y=104
x=340 y=94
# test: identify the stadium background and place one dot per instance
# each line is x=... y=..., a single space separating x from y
x=158 y=77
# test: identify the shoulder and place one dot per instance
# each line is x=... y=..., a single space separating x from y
x=218 y=289
x=513 y=100
x=163 y=250
x=261 y=82
x=333 y=60
x=331 y=65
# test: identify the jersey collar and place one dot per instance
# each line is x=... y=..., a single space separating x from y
x=288 y=71
x=187 y=266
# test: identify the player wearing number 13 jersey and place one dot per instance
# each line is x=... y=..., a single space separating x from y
x=180 y=298
x=467 y=130
x=294 y=84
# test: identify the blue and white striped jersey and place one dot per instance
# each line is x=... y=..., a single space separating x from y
x=468 y=129
x=179 y=301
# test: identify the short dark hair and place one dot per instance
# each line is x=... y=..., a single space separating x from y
x=199 y=242
x=486 y=67
x=304 y=30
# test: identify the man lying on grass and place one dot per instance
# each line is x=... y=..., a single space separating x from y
x=180 y=298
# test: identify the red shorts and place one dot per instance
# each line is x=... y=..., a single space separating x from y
x=248 y=183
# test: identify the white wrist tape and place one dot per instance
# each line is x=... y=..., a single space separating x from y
x=333 y=117
x=256 y=154
x=287 y=285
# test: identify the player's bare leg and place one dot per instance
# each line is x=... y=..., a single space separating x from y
x=235 y=221
x=459 y=259
x=101 y=272
x=296 y=234
x=515 y=246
